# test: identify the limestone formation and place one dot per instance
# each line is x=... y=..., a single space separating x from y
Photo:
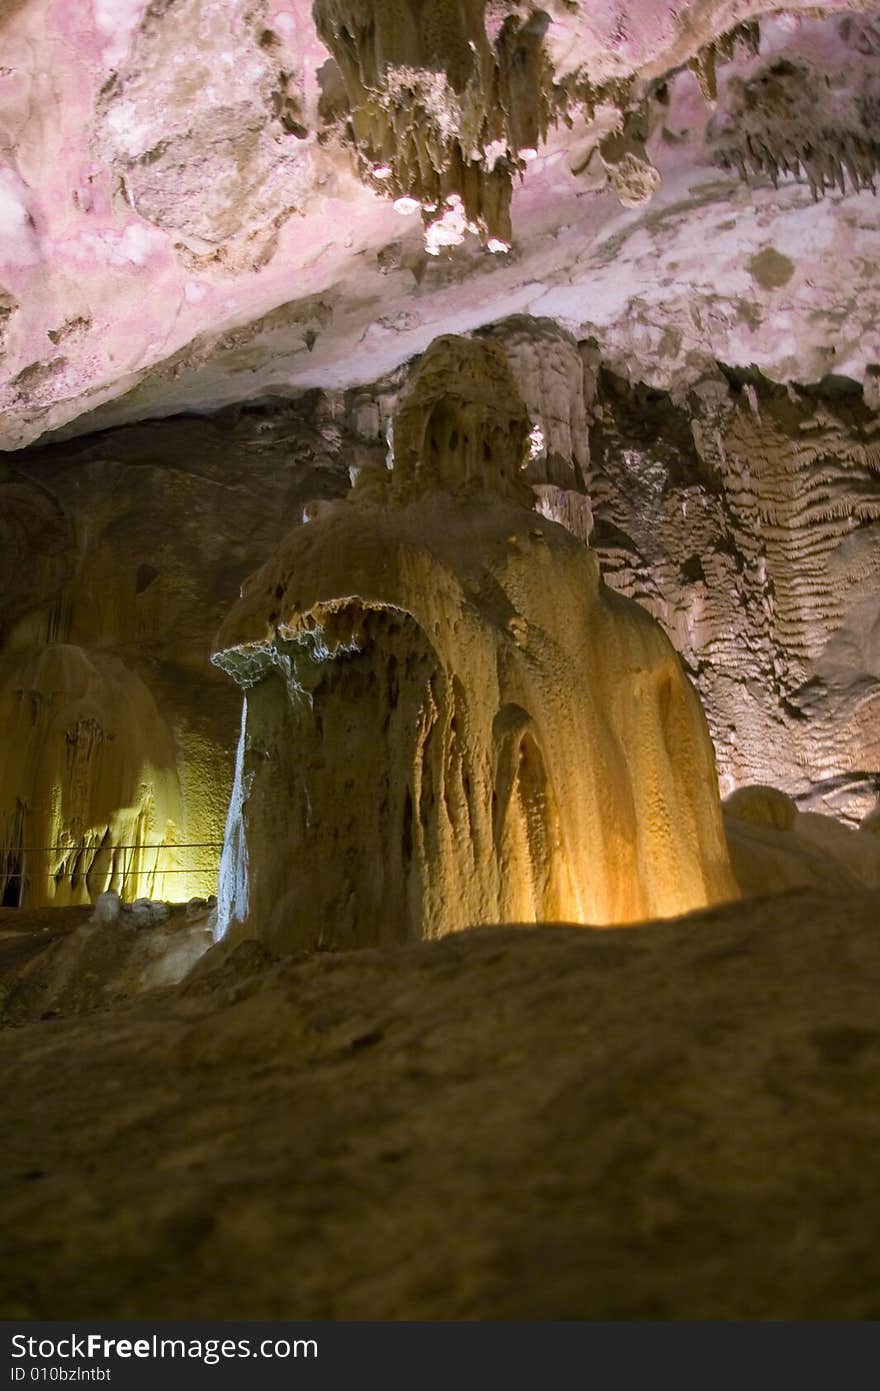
x=676 y=1122
x=73 y=960
x=439 y=516
x=217 y=200
x=549 y=373
x=551 y=377
x=775 y=848
x=746 y=517
x=705 y=62
x=788 y=119
x=90 y=797
x=439 y=114
x=742 y=514
x=449 y=719
x=198 y=130
x=118 y=559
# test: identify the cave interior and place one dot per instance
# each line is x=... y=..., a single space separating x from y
x=440 y=658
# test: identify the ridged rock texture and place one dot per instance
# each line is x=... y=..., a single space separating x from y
x=746 y=517
x=450 y=720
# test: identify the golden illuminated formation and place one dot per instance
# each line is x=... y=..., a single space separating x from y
x=91 y=796
x=450 y=720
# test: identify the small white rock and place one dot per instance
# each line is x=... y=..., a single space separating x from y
x=107 y=907
x=145 y=913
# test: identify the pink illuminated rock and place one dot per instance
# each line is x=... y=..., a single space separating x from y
x=189 y=214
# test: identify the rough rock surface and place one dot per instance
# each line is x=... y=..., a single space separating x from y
x=449 y=718
x=743 y=514
x=679 y=1121
x=119 y=557
x=774 y=847
x=746 y=517
x=72 y=961
x=201 y=201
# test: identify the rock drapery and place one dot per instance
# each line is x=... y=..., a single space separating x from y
x=449 y=719
x=118 y=558
x=746 y=517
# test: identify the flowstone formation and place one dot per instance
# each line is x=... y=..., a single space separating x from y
x=119 y=557
x=89 y=794
x=449 y=719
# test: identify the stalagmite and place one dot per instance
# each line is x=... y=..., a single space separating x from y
x=549 y=371
x=774 y=847
x=450 y=720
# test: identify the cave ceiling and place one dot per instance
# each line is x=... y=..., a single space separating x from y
x=210 y=201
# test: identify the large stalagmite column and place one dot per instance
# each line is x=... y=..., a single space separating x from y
x=450 y=720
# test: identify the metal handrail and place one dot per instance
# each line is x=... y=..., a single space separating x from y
x=179 y=845
x=12 y=875
x=128 y=874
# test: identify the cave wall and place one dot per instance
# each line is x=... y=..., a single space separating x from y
x=120 y=554
x=746 y=516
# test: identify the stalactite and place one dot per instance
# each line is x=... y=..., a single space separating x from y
x=438 y=113
x=782 y=122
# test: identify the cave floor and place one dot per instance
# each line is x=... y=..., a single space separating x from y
x=27 y=932
x=673 y=1121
